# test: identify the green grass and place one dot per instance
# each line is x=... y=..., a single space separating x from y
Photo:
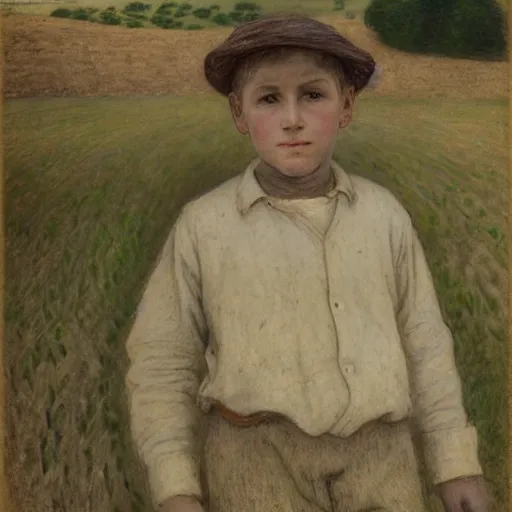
x=93 y=186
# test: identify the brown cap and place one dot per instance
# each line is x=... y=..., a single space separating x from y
x=285 y=31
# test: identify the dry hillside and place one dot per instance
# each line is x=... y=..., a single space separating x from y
x=53 y=57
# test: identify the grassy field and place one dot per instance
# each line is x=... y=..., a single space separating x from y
x=93 y=186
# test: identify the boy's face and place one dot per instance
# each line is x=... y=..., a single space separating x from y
x=292 y=110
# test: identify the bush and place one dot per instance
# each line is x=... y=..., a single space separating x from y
x=193 y=27
x=61 y=13
x=165 y=22
x=80 y=14
x=398 y=22
x=166 y=8
x=454 y=28
x=137 y=7
x=215 y=7
x=479 y=30
x=137 y=15
x=183 y=10
x=202 y=13
x=236 y=16
x=159 y=20
x=110 y=18
x=134 y=24
x=241 y=17
x=247 y=6
x=251 y=16
x=222 y=19
x=339 y=5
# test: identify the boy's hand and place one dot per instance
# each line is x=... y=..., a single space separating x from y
x=181 y=504
x=464 y=495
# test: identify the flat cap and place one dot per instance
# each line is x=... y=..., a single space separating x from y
x=285 y=31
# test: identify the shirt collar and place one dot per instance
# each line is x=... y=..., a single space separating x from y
x=249 y=191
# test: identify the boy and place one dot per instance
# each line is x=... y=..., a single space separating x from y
x=293 y=313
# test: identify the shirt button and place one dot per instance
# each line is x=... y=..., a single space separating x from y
x=349 y=369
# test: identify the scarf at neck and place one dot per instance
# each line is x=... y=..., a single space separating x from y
x=277 y=184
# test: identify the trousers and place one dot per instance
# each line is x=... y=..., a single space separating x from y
x=276 y=467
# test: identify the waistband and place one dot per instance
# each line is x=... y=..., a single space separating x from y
x=259 y=418
x=250 y=420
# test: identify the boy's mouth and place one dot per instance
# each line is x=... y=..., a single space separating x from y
x=294 y=144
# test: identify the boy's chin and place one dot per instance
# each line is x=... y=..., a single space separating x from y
x=296 y=169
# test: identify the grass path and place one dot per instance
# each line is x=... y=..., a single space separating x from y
x=93 y=186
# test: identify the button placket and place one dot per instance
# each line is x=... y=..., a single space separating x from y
x=346 y=366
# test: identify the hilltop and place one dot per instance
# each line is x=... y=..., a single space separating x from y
x=48 y=57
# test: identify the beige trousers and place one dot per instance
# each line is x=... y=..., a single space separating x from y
x=275 y=467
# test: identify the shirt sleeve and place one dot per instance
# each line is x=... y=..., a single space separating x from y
x=449 y=441
x=166 y=353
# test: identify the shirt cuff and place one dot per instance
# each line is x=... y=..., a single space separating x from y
x=451 y=453
x=178 y=476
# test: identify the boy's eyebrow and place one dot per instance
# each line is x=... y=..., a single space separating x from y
x=271 y=87
x=314 y=81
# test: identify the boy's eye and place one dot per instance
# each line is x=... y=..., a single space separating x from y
x=272 y=98
x=313 y=95
x=269 y=98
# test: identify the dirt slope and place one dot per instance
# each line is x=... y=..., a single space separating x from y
x=51 y=57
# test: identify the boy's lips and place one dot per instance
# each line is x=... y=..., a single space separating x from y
x=294 y=144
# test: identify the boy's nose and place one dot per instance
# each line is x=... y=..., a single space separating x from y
x=291 y=117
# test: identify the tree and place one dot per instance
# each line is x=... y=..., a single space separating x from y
x=456 y=28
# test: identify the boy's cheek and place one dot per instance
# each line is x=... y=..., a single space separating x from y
x=326 y=123
x=261 y=130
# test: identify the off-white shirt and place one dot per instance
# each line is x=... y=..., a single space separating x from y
x=324 y=312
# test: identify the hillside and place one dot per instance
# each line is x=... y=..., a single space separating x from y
x=52 y=57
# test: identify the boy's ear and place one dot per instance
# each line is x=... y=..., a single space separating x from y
x=235 y=104
x=348 y=107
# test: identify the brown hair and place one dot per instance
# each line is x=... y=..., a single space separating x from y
x=266 y=37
